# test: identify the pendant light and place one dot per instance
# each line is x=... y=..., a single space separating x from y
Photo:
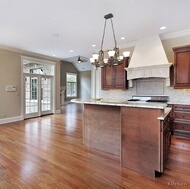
x=98 y=59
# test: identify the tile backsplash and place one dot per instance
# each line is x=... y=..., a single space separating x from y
x=150 y=86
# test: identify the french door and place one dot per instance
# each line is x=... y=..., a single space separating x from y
x=38 y=95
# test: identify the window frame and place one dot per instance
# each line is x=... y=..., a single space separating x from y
x=75 y=74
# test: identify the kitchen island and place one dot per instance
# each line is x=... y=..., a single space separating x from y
x=133 y=131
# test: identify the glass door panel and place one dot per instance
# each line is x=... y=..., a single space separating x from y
x=46 y=95
x=31 y=96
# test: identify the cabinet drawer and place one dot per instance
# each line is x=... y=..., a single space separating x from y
x=181 y=108
x=182 y=115
x=182 y=126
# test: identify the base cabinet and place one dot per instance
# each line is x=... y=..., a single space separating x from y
x=181 y=120
x=165 y=141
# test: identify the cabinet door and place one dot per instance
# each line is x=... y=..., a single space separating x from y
x=182 y=68
x=120 y=80
x=115 y=77
x=107 y=77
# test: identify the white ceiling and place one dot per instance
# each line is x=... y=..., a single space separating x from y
x=31 y=25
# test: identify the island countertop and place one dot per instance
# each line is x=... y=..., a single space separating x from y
x=113 y=102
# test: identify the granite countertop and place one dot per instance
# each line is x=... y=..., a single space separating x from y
x=113 y=102
x=167 y=110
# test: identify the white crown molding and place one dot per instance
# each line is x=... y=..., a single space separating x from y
x=175 y=34
x=162 y=37
x=28 y=53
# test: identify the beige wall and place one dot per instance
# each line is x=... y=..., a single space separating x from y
x=10 y=74
x=176 y=42
x=85 y=84
x=68 y=67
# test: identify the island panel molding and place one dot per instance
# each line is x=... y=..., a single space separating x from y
x=141 y=148
x=101 y=128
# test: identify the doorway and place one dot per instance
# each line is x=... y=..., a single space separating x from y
x=38 y=92
x=38 y=88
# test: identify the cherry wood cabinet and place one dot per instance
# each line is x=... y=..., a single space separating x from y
x=115 y=77
x=182 y=67
x=165 y=140
x=181 y=120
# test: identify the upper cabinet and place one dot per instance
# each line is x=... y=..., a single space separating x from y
x=115 y=77
x=182 y=67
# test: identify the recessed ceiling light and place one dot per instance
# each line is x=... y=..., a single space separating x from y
x=122 y=38
x=93 y=45
x=163 y=27
x=55 y=35
x=71 y=51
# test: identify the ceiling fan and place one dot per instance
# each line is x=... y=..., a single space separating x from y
x=79 y=60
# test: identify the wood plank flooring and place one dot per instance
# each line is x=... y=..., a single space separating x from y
x=47 y=152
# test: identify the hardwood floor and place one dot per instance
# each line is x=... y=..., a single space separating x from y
x=47 y=152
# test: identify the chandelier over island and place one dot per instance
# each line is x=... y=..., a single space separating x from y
x=99 y=60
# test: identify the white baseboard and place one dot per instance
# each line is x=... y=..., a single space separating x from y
x=11 y=119
x=58 y=111
x=66 y=102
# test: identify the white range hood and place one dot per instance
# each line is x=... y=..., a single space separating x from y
x=149 y=61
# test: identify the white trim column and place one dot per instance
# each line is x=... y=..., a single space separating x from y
x=95 y=82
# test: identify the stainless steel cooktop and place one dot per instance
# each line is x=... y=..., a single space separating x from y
x=150 y=98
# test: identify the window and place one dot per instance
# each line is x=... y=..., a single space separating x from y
x=35 y=67
x=71 y=84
